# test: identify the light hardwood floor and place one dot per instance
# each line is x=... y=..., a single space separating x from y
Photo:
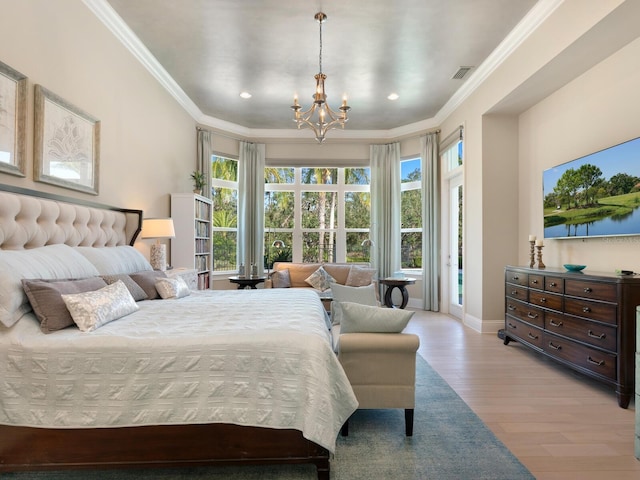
x=560 y=425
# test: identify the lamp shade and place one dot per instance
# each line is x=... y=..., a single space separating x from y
x=157 y=228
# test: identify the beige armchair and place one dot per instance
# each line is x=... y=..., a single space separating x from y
x=382 y=370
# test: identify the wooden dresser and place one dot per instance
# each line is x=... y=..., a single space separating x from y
x=584 y=320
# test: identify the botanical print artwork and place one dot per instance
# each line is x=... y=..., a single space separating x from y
x=8 y=90
x=69 y=145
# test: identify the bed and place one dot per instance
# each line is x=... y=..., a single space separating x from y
x=211 y=378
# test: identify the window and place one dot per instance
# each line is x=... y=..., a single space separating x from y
x=224 y=193
x=320 y=214
x=411 y=214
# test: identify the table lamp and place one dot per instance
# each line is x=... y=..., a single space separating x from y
x=158 y=228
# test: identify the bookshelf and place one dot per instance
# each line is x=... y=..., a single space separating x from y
x=191 y=247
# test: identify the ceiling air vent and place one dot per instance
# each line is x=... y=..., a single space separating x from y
x=462 y=71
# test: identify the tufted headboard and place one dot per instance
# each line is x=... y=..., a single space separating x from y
x=30 y=219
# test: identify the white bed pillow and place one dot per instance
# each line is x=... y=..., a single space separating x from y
x=115 y=260
x=53 y=262
x=91 y=310
x=172 y=287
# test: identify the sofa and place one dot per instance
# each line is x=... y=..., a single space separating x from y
x=295 y=275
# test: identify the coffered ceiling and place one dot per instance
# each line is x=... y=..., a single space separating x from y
x=215 y=49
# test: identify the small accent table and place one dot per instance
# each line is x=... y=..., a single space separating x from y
x=400 y=284
x=247 y=282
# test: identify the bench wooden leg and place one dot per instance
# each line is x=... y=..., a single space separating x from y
x=408 y=421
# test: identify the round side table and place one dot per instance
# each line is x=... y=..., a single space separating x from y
x=400 y=284
x=247 y=282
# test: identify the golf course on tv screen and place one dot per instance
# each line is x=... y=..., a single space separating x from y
x=594 y=196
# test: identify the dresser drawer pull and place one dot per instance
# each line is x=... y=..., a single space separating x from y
x=512 y=325
x=535 y=282
x=514 y=292
x=587 y=290
x=511 y=307
x=586 y=309
x=555 y=347
x=531 y=336
x=602 y=336
x=515 y=277
x=553 y=284
x=591 y=360
x=532 y=315
x=554 y=324
x=543 y=300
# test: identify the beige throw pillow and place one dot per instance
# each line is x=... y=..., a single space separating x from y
x=281 y=279
x=342 y=293
x=358 y=318
x=320 y=279
x=360 y=276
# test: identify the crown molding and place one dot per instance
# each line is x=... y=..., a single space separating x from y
x=108 y=16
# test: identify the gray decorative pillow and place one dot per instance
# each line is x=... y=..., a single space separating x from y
x=172 y=287
x=147 y=280
x=281 y=279
x=45 y=297
x=91 y=310
x=360 y=276
x=358 y=318
x=342 y=293
x=135 y=290
x=320 y=279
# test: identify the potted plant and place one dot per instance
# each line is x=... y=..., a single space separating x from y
x=198 y=181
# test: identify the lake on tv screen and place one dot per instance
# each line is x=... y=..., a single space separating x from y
x=628 y=225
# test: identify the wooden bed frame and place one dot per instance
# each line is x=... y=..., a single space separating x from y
x=26 y=448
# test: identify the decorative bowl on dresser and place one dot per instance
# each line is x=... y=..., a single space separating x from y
x=583 y=320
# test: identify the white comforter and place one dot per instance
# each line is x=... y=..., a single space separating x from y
x=248 y=357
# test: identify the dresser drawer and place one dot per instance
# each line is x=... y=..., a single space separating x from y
x=536 y=281
x=594 y=360
x=603 y=312
x=546 y=300
x=515 y=291
x=591 y=290
x=524 y=332
x=517 y=278
x=595 y=334
x=554 y=284
x=525 y=312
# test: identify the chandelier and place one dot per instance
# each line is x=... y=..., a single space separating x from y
x=326 y=118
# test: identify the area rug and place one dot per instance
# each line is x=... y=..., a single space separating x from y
x=449 y=442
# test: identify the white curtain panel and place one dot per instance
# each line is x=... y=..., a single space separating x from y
x=430 y=222
x=251 y=205
x=205 y=150
x=385 y=208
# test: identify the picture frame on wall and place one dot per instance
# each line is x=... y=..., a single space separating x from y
x=67 y=144
x=13 y=117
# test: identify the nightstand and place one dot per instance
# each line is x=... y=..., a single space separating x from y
x=189 y=275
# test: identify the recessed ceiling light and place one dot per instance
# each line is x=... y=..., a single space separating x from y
x=245 y=95
x=393 y=96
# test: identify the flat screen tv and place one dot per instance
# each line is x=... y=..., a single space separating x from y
x=594 y=196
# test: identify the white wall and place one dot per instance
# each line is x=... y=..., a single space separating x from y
x=147 y=147
x=597 y=110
